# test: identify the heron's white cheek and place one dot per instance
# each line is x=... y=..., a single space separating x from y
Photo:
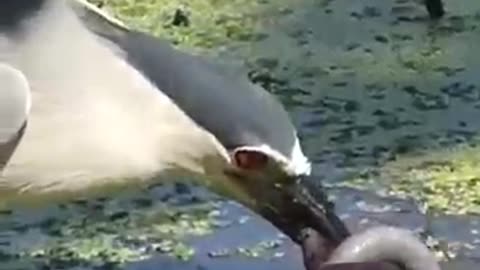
x=299 y=162
x=296 y=164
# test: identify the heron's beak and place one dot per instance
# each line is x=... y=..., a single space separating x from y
x=294 y=206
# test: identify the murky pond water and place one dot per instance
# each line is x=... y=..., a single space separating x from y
x=387 y=104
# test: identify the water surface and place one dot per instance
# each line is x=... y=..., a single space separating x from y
x=386 y=103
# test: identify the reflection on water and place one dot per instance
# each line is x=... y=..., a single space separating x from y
x=381 y=97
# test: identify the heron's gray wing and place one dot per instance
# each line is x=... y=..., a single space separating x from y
x=218 y=97
x=226 y=103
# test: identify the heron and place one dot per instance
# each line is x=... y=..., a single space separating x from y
x=90 y=116
x=89 y=108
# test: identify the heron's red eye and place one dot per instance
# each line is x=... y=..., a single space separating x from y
x=250 y=160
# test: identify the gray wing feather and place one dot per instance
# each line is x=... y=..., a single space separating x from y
x=215 y=96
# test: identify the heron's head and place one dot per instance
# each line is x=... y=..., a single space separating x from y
x=275 y=186
x=254 y=153
x=263 y=166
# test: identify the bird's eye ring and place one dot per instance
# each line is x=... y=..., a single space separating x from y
x=250 y=160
